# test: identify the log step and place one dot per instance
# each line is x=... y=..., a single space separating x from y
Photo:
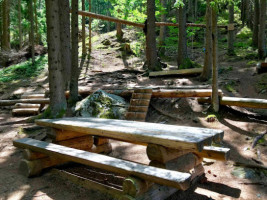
x=177 y=72
x=138 y=109
x=139 y=102
x=135 y=115
x=25 y=111
x=143 y=90
x=27 y=105
x=161 y=176
x=141 y=96
x=33 y=96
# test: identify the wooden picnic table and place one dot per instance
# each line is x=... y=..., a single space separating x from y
x=171 y=136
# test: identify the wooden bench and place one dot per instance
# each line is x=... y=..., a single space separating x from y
x=175 y=152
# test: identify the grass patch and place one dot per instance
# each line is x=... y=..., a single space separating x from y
x=24 y=70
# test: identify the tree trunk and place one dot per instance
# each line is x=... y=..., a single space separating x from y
x=182 y=44
x=6 y=25
x=231 y=33
x=215 y=96
x=64 y=17
x=119 y=32
x=151 y=37
x=256 y=23
x=83 y=30
x=74 y=54
x=207 y=69
x=262 y=30
x=56 y=82
x=1 y=24
x=19 y=24
x=90 y=27
x=162 y=34
x=31 y=19
x=37 y=36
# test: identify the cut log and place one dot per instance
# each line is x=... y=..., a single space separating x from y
x=25 y=111
x=216 y=153
x=171 y=136
x=135 y=115
x=61 y=135
x=183 y=93
x=135 y=187
x=163 y=154
x=32 y=101
x=100 y=140
x=138 y=109
x=84 y=142
x=185 y=72
x=141 y=95
x=165 y=177
x=184 y=163
x=31 y=155
x=27 y=105
x=244 y=102
x=34 y=168
x=33 y=96
x=140 y=102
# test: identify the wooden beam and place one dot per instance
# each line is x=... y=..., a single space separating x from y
x=165 y=177
x=60 y=135
x=32 y=101
x=171 y=136
x=185 y=72
x=216 y=153
x=27 y=105
x=25 y=111
x=244 y=102
x=33 y=96
x=84 y=142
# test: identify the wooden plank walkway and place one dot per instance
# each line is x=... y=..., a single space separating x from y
x=161 y=176
x=176 y=137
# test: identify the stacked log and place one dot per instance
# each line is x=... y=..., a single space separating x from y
x=34 y=163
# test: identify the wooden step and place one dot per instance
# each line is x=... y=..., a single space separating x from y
x=184 y=72
x=143 y=90
x=141 y=95
x=27 y=105
x=139 y=102
x=135 y=115
x=137 y=109
x=161 y=176
x=25 y=111
x=33 y=96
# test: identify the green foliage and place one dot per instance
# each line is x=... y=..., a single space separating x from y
x=244 y=33
x=187 y=64
x=23 y=70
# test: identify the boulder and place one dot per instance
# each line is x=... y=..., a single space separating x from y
x=101 y=105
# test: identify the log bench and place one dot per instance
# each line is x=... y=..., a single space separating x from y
x=175 y=153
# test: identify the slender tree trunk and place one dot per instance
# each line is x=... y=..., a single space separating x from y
x=182 y=44
x=231 y=33
x=196 y=7
x=56 y=81
x=256 y=23
x=207 y=69
x=83 y=30
x=6 y=25
x=31 y=16
x=151 y=37
x=119 y=32
x=262 y=30
x=19 y=24
x=64 y=18
x=37 y=36
x=215 y=96
x=74 y=53
x=1 y=24
x=162 y=33
x=90 y=27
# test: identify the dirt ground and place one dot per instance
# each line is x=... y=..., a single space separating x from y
x=108 y=67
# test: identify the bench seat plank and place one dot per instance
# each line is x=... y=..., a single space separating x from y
x=176 y=137
x=161 y=176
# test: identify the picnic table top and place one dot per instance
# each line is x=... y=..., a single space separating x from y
x=172 y=136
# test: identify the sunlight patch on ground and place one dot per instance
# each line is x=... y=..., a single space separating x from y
x=211 y=194
x=19 y=194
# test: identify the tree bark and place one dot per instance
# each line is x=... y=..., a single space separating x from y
x=215 y=96
x=19 y=24
x=1 y=24
x=56 y=82
x=90 y=27
x=151 y=37
x=119 y=33
x=262 y=30
x=31 y=19
x=207 y=69
x=74 y=53
x=37 y=36
x=6 y=25
x=231 y=33
x=83 y=30
x=256 y=23
x=182 y=44
x=64 y=17
x=162 y=34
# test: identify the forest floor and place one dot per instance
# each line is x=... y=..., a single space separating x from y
x=110 y=67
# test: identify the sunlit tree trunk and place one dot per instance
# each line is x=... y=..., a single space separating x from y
x=207 y=69
x=1 y=24
x=19 y=24
x=215 y=96
x=31 y=19
x=56 y=82
x=262 y=30
x=74 y=54
x=90 y=27
x=37 y=35
x=182 y=43
x=6 y=25
x=256 y=23
x=64 y=17
x=231 y=33
x=162 y=34
x=83 y=30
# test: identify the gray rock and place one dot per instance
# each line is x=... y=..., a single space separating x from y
x=101 y=105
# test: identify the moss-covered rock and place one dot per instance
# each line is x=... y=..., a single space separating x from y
x=102 y=105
